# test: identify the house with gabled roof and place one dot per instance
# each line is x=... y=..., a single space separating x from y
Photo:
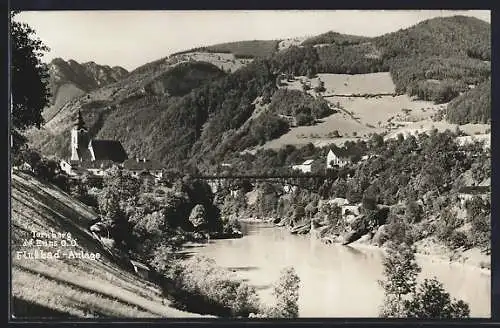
x=339 y=157
x=140 y=166
x=305 y=167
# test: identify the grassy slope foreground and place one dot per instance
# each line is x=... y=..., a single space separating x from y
x=71 y=287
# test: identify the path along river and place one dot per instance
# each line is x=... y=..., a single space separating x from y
x=336 y=281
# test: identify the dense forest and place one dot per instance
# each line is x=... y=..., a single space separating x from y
x=474 y=106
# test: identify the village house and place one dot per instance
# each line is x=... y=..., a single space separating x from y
x=305 y=167
x=98 y=168
x=339 y=157
x=138 y=167
x=466 y=194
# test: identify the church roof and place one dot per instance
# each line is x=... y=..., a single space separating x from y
x=134 y=164
x=474 y=190
x=108 y=150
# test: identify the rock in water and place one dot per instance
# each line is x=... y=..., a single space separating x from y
x=380 y=236
x=351 y=237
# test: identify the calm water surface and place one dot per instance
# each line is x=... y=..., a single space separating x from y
x=336 y=281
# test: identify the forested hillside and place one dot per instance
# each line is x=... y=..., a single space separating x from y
x=474 y=106
x=192 y=112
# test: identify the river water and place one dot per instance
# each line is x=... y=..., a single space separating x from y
x=336 y=281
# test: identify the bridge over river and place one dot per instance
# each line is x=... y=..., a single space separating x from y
x=305 y=181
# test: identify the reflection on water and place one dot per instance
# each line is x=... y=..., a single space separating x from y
x=336 y=281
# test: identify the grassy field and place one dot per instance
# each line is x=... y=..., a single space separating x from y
x=346 y=84
x=225 y=61
x=373 y=83
x=71 y=287
x=358 y=117
x=287 y=43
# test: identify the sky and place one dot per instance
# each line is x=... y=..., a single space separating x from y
x=133 y=38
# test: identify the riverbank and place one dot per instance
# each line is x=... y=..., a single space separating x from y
x=334 y=278
x=427 y=247
x=432 y=250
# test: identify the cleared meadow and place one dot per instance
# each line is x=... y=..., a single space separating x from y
x=358 y=117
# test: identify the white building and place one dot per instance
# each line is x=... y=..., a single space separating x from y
x=305 y=167
x=337 y=157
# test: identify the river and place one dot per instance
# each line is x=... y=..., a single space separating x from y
x=336 y=281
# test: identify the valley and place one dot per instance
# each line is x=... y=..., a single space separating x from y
x=269 y=178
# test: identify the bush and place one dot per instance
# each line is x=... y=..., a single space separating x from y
x=431 y=301
x=398 y=231
x=459 y=239
x=405 y=299
x=286 y=292
x=231 y=225
x=481 y=231
x=304 y=119
x=201 y=277
x=61 y=181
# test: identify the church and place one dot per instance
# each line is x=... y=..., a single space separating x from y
x=94 y=155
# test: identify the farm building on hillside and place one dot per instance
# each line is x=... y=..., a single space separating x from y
x=75 y=168
x=139 y=166
x=309 y=166
x=339 y=157
x=466 y=194
x=465 y=140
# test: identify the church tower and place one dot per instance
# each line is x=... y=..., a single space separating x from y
x=79 y=139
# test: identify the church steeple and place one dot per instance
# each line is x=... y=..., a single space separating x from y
x=79 y=139
x=80 y=123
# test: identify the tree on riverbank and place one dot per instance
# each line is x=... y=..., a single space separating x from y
x=400 y=271
x=404 y=298
x=286 y=291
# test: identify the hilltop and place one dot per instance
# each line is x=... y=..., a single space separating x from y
x=219 y=113
x=105 y=287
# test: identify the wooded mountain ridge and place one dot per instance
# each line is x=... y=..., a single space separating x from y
x=213 y=115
